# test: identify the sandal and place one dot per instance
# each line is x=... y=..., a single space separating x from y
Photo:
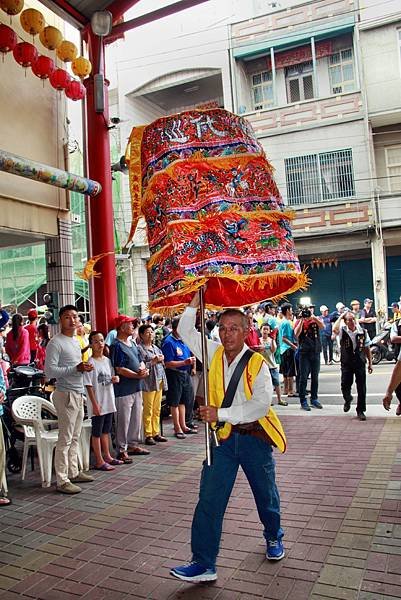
x=4 y=501
x=104 y=467
x=190 y=431
x=179 y=435
x=125 y=458
x=137 y=451
x=115 y=461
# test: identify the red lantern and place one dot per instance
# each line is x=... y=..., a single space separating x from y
x=8 y=39
x=43 y=67
x=25 y=54
x=75 y=90
x=59 y=79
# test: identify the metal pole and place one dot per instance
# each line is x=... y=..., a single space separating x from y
x=205 y=370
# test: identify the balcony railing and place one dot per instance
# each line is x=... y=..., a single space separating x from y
x=291 y=19
x=332 y=108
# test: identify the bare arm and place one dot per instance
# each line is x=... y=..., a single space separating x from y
x=337 y=325
x=92 y=398
x=131 y=374
x=297 y=328
x=289 y=343
x=394 y=382
x=273 y=345
x=318 y=322
x=368 y=355
x=175 y=364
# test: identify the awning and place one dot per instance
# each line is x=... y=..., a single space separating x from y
x=295 y=38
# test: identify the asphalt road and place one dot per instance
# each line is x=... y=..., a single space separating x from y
x=330 y=383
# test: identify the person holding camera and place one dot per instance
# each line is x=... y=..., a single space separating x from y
x=355 y=350
x=307 y=330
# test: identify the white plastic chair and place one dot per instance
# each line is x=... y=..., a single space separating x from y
x=85 y=444
x=27 y=410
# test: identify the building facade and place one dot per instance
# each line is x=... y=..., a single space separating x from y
x=320 y=82
x=34 y=127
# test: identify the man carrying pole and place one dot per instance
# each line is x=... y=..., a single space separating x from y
x=240 y=394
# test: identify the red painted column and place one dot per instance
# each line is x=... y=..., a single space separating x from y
x=100 y=209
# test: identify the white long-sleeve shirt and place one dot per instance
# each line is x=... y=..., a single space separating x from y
x=63 y=354
x=242 y=410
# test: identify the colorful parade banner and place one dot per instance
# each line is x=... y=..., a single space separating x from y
x=213 y=212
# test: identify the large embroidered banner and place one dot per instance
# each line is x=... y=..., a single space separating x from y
x=213 y=212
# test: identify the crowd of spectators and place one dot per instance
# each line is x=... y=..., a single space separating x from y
x=124 y=376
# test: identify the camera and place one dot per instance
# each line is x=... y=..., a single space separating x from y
x=305 y=313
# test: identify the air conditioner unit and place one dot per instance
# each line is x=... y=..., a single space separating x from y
x=75 y=218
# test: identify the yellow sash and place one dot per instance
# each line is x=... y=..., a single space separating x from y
x=270 y=423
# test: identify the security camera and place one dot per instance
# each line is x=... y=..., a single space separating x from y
x=115 y=120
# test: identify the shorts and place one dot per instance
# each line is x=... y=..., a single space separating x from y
x=275 y=376
x=288 y=363
x=102 y=424
x=180 y=390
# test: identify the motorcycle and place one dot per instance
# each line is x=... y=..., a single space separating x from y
x=381 y=346
x=23 y=380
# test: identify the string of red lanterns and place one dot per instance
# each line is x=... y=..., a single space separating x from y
x=26 y=55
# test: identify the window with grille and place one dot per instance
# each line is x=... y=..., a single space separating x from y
x=319 y=177
x=262 y=90
x=342 y=71
x=393 y=164
x=299 y=82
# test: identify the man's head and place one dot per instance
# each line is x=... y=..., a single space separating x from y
x=250 y=319
x=270 y=308
x=80 y=330
x=125 y=325
x=174 y=323
x=96 y=342
x=340 y=307
x=158 y=319
x=32 y=315
x=286 y=310
x=349 y=319
x=355 y=305
x=324 y=310
x=69 y=319
x=233 y=329
x=368 y=303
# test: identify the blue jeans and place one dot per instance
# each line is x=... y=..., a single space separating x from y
x=309 y=363
x=327 y=347
x=256 y=459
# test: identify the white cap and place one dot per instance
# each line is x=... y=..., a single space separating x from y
x=340 y=305
x=323 y=307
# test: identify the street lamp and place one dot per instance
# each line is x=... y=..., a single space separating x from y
x=102 y=22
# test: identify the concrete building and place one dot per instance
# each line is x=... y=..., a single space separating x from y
x=320 y=82
x=33 y=126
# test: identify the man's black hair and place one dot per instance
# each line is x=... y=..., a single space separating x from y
x=174 y=323
x=285 y=308
x=66 y=308
x=232 y=312
x=92 y=335
x=210 y=325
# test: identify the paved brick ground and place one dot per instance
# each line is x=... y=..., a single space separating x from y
x=340 y=485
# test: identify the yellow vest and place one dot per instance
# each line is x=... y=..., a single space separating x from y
x=270 y=423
